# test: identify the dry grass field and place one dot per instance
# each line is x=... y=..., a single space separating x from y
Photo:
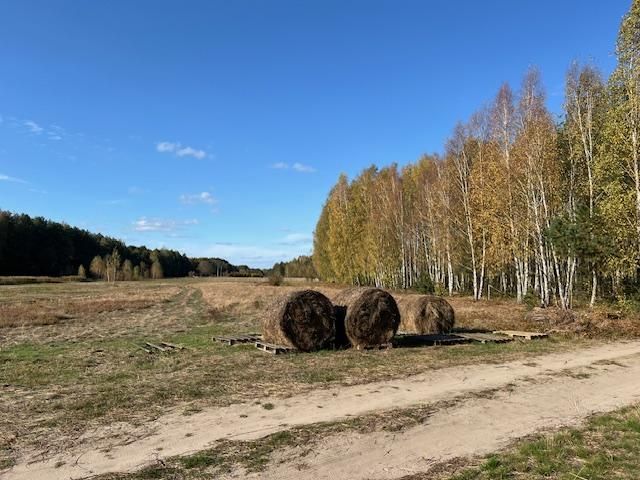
x=71 y=359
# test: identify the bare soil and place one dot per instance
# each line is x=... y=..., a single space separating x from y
x=555 y=390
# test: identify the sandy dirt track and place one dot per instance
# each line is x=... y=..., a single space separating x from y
x=540 y=395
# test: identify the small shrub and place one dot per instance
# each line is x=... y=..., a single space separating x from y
x=275 y=280
x=425 y=285
x=531 y=301
x=627 y=305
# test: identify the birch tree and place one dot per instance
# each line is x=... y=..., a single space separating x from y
x=584 y=114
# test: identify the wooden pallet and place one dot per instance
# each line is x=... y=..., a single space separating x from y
x=238 y=339
x=518 y=334
x=163 y=347
x=486 y=337
x=273 y=349
x=415 y=340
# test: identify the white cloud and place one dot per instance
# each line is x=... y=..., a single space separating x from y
x=7 y=178
x=164 y=147
x=300 y=167
x=55 y=137
x=161 y=225
x=191 y=152
x=180 y=151
x=203 y=197
x=33 y=127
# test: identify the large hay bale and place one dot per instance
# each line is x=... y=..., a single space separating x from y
x=366 y=317
x=302 y=320
x=425 y=314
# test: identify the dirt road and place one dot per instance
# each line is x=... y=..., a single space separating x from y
x=544 y=392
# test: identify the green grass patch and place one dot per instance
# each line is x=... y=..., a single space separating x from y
x=607 y=447
x=62 y=379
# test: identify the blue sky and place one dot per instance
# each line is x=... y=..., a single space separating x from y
x=217 y=128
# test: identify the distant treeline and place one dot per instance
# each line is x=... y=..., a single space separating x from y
x=301 y=267
x=40 y=247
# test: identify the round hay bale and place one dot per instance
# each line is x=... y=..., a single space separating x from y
x=367 y=316
x=425 y=314
x=302 y=320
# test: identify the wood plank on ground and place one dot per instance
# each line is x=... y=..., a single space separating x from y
x=156 y=347
x=238 y=339
x=273 y=348
x=520 y=334
x=486 y=337
x=172 y=345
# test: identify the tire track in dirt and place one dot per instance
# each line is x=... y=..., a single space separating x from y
x=473 y=426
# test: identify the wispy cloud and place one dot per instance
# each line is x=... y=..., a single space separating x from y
x=178 y=150
x=297 y=239
x=191 y=152
x=118 y=201
x=301 y=167
x=164 y=147
x=55 y=132
x=144 y=224
x=7 y=178
x=298 y=167
x=195 y=198
x=33 y=127
x=52 y=132
x=253 y=255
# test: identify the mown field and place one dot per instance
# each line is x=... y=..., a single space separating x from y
x=71 y=356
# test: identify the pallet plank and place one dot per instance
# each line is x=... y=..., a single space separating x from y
x=519 y=334
x=238 y=339
x=486 y=337
x=154 y=346
x=273 y=348
x=172 y=345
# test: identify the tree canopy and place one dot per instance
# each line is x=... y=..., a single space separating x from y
x=517 y=204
